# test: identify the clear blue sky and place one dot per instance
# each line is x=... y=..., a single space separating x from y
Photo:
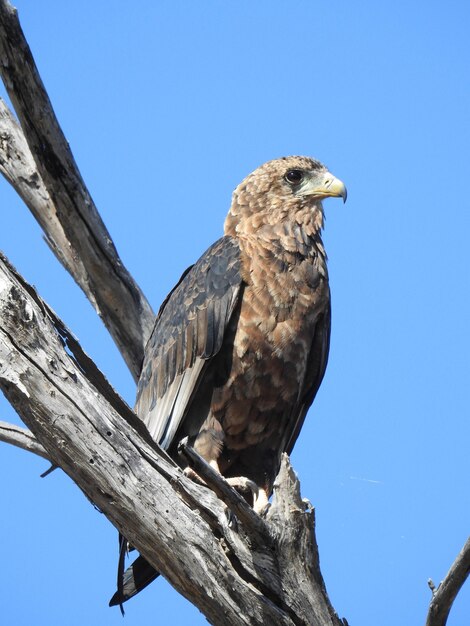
x=167 y=106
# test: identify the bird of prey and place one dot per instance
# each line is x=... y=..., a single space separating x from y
x=240 y=345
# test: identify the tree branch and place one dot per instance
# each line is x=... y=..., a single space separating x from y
x=444 y=596
x=64 y=207
x=235 y=574
x=18 y=167
x=21 y=438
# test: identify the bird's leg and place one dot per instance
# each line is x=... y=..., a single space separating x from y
x=215 y=465
x=190 y=473
x=258 y=494
x=242 y=484
x=208 y=444
x=261 y=503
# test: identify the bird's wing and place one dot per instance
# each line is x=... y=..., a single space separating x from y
x=316 y=366
x=136 y=577
x=188 y=331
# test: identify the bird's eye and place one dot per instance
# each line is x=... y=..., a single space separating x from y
x=294 y=177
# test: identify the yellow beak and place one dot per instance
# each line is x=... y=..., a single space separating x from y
x=326 y=186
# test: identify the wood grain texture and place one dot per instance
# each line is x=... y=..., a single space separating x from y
x=233 y=573
x=79 y=237
x=21 y=438
x=19 y=169
x=444 y=596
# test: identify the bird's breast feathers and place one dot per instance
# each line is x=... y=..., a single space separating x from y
x=272 y=341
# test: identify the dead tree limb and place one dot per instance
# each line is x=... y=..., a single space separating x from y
x=21 y=438
x=443 y=597
x=237 y=571
x=99 y=271
x=18 y=167
x=236 y=568
x=234 y=573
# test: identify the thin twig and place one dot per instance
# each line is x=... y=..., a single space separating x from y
x=21 y=438
x=444 y=596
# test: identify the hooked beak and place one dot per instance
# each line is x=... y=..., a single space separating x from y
x=326 y=186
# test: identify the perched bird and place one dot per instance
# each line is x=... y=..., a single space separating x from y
x=240 y=345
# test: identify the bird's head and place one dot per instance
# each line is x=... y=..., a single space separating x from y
x=282 y=189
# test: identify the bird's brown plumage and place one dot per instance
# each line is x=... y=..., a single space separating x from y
x=240 y=345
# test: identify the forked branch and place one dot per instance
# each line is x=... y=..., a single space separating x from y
x=54 y=191
x=241 y=570
x=21 y=438
x=236 y=574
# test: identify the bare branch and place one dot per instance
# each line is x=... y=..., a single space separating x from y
x=18 y=167
x=235 y=575
x=237 y=568
x=443 y=597
x=99 y=272
x=21 y=438
x=222 y=488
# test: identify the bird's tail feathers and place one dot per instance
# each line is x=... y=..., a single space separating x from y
x=135 y=578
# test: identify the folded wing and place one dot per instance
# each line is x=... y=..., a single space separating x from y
x=188 y=332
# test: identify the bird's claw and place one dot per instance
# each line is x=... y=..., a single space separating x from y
x=242 y=484
x=259 y=495
x=190 y=473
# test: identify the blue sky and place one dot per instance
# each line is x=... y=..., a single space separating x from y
x=167 y=106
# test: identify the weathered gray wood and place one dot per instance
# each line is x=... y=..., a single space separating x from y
x=235 y=502
x=86 y=248
x=18 y=167
x=21 y=438
x=443 y=597
x=292 y=521
x=234 y=573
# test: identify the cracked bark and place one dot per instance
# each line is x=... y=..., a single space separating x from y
x=234 y=570
x=21 y=438
x=443 y=597
x=39 y=164
x=236 y=567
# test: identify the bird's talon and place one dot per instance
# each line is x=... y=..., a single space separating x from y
x=232 y=519
x=214 y=319
x=190 y=473
x=243 y=484
x=261 y=502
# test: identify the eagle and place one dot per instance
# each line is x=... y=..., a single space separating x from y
x=240 y=345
